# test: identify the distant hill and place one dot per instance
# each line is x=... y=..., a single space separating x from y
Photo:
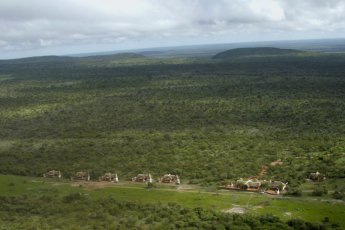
x=45 y=59
x=113 y=56
x=51 y=58
x=259 y=51
x=151 y=53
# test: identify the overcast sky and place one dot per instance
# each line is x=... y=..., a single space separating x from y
x=42 y=27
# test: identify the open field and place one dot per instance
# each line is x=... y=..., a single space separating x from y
x=306 y=208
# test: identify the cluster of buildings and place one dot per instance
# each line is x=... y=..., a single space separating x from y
x=167 y=178
x=112 y=177
x=254 y=185
x=269 y=187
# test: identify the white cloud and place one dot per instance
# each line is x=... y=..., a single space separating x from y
x=269 y=9
x=37 y=24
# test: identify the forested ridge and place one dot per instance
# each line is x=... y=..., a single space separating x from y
x=255 y=51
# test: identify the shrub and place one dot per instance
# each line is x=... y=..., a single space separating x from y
x=338 y=195
x=73 y=197
x=319 y=191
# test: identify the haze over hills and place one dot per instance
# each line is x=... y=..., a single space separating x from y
x=113 y=56
x=207 y=50
x=250 y=52
x=94 y=58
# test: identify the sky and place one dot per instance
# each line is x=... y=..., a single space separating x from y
x=57 y=27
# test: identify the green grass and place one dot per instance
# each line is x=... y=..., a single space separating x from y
x=16 y=185
x=306 y=208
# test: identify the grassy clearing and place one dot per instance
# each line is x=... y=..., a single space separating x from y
x=308 y=209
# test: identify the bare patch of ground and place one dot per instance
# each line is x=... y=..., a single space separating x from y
x=277 y=162
x=186 y=187
x=287 y=213
x=263 y=171
x=257 y=207
x=237 y=210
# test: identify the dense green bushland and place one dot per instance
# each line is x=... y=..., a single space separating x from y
x=207 y=120
x=77 y=211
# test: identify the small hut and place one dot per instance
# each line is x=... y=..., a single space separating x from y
x=241 y=184
x=110 y=177
x=276 y=187
x=81 y=176
x=169 y=179
x=142 y=178
x=53 y=174
x=253 y=184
